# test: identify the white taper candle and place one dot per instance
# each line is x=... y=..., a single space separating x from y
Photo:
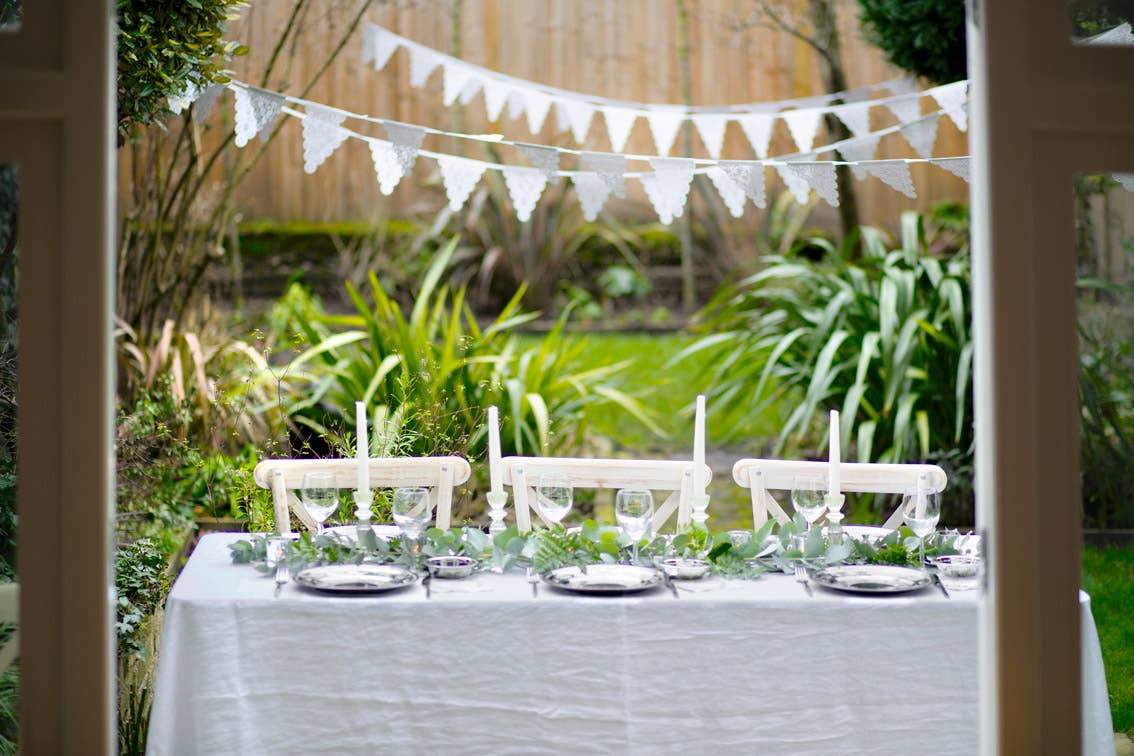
x=699 y=446
x=834 y=479
x=362 y=449
x=496 y=485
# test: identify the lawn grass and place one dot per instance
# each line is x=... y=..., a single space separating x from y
x=1108 y=576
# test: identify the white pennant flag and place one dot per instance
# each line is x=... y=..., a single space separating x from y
x=795 y=183
x=731 y=194
x=495 y=95
x=959 y=166
x=516 y=104
x=619 y=121
x=205 y=101
x=649 y=183
x=386 y=165
x=562 y=119
x=664 y=125
x=953 y=99
x=711 y=127
x=905 y=108
x=407 y=141
x=855 y=115
x=921 y=135
x=1126 y=179
x=546 y=159
x=455 y=77
x=609 y=167
x=592 y=191
x=537 y=106
x=256 y=111
x=459 y=175
x=322 y=135
x=893 y=173
x=855 y=150
x=470 y=89
x=820 y=177
x=758 y=128
x=749 y=177
x=902 y=86
x=579 y=115
x=672 y=178
x=525 y=185
x=803 y=125
x=422 y=62
x=378 y=46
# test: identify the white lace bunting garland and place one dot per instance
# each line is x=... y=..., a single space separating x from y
x=378 y=46
x=203 y=105
x=855 y=115
x=517 y=104
x=664 y=126
x=803 y=125
x=422 y=62
x=495 y=96
x=731 y=194
x=470 y=90
x=820 y=177
x=895 y=174
x=795 y=183
x=546 y=159
x=592 y=191
x=460 y=177
x=407 y=141
x=958 y=166
x=525 y=185
x=322 y=135
x=921 y=135
x=758 y=128
x=579 y=116
x=861 y=148
x=537 y=105
x=256 y=112
x=954 y=99
x=386 y=165
x=669 y=187
x=749 y=177
x=609 y=167
x=454 y=79
x=906 y=105
x=711 y=127
x=619 y=121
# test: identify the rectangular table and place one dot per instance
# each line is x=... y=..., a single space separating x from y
x=753 y=665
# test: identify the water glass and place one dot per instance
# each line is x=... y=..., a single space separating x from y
x=411 y=511
x=320 y=497
x=921 y=511
x=634 y=512
x=808 y=497
x=555 y=496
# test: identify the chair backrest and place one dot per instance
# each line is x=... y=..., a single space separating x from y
x=440 y=474
x=675 y=476
x=764 y=475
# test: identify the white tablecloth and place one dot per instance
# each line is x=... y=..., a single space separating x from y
x=753 y=665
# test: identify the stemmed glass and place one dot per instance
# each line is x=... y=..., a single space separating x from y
x=555 y=496
x=808 y=497
x=320 y=497
x=634 y=511
x=921 y=510
x=411 y=511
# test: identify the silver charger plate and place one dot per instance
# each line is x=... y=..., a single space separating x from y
x=356 y=578
x=871 y=578
x=605 y=579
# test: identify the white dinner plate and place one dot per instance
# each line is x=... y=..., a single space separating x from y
x=356 y=578
x=871 y=578
x=605 y=579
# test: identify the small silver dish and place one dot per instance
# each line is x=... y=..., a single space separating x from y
x=958 y=573
x=450 y=566
x=685 y=569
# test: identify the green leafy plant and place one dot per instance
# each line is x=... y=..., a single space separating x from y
x=885 y=339
x=924 y=37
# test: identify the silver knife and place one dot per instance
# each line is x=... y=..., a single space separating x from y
x=937 y=579
x=425 y=582
x=283 y=574
x=669 y=584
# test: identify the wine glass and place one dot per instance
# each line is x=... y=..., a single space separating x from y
x=921 y=510
x=320 y=497
x=411 y=511
x=555 y=496
x=808 y=497
x=634 y=511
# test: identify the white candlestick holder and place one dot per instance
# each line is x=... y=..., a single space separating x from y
x=835 y=505
x=496 y=502
x=700 y=506
x=362 y=503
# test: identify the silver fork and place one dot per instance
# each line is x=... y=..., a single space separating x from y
x=533 y=580
x=283 y=574
x=801 y=577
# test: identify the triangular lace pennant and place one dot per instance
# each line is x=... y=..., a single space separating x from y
x=795 y=183
x=579 y=115
x=711 y=127
x=855 y=150
x=321 y=135
x=537 y=106
x=609 y=167
x=256 y=113
x=893 y=173
x=906 y=108
x=803 y=125
x=386 y=165
x=422 y=62
x=592 y=191
x=459 y=175
x=921 y=135
x=902 y=86
x=516 y=104
x=664 y=125
x=1126 y=179
x=495 y=95
x=654 y=194
x=619 y=121
x=820 y=177
x=182 y=100
x=958 y=166
x=562 y=119
x=378 y=46
x=953 y=99
x=203 y=105
x=731 y=194
x=672 y=179
x=407 y=141
x=525 y=185
x=455 y=76
x=470 y=89
x=856 y=115
x=749 y=177
x=546 y=159
x=758 y=128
